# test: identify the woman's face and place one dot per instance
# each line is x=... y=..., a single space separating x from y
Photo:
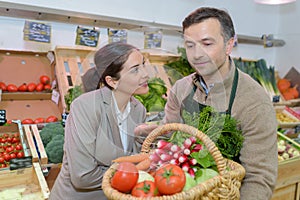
x=134 y=75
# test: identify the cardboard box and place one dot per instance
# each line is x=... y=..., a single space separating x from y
x=18 y=67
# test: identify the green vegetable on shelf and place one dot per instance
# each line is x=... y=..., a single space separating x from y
x=72 y=94
x=55 y=150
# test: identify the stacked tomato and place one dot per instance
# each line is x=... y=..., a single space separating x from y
x=42 y=85
x=10 y=148
x=168 y=179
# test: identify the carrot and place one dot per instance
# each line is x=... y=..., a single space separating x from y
x=144 y=164
x=133 y=158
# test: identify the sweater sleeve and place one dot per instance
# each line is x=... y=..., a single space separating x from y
x=259 y=152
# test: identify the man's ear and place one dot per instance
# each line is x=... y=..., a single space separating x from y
x=229 y=45
x=111 y=82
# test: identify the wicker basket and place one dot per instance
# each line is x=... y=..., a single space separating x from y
x=224 y=186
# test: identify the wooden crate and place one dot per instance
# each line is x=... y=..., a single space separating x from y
x=18 y=67
x=30 y=180
x=72 y=63
x=288 y=180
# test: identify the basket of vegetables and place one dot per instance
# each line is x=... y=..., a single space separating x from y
x=194 y=169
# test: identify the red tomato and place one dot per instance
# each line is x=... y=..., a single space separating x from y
x=51 y=119
x=3 y=165
x=22 y=88
x=12 y=88
x=18 y=147
x=13 y=155
x=2 y=86
x=31 y=87
x=44 y=79
x=7 y=157
x=47 y=87
x=169 y=179
x=39 y=87
x=2 y=160
x=145 y=189
x=20 y=154
x=125 y=177
x=39 y=120
x=15 y=140
x=27 y=121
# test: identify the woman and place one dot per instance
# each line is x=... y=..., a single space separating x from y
x=101 y=123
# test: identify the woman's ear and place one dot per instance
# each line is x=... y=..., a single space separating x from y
x=111 y=82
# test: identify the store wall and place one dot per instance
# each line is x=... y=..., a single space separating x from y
x=249 y=19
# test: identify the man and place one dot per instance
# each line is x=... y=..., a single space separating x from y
x=209 y=39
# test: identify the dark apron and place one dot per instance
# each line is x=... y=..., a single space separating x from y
x=191 y=106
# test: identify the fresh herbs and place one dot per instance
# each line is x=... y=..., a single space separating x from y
x=72 y=94
x=220 y=127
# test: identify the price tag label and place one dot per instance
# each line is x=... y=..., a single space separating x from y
x=2 y=117
x=55 y=96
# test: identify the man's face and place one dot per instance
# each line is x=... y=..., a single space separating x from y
x=205 y=47
x=134 y=76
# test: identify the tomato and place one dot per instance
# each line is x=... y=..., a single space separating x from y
x=51 y=119
x=12 y=88
x=31 y=87
x=169 y=179
x=47 y=87
x=125 y=177
x=13 y=155
x=27 y=121
x=2 y=86
x=9 y=139
x=15 y=140
x=39 y=120
x=20 y=154
x=145 y=189
x=7 y=157
x=3 y=165
x=2 y=160
x=22 y=88
x=39 y=87
x=44 y=79
x=9 y=149
x=18 y=147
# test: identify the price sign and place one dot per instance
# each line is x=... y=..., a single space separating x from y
x=2 y=117
x=87 y=37
x=36 y=31
x=152 y=39
x=117 y=35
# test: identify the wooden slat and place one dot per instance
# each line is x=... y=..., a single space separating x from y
x=41 y=180
x=34 y=154
x=43 y=154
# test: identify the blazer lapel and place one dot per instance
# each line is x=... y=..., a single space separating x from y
x=111 y=116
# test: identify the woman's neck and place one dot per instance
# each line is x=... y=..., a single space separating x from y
x=121 y=99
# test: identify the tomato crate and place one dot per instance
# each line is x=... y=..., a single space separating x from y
x=19 y=67
x=25 y=183
x=14 y=132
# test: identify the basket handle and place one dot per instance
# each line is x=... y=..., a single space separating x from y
x=210 y=145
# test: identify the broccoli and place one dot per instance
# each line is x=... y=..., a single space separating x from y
x=55 y=149
x=49 y=131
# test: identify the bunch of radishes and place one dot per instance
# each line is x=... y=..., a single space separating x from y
x=167 y=152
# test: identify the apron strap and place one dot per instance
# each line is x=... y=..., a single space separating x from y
x=233 y=91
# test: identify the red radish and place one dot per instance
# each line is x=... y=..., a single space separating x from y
x=174 y=161
x=187 y=143
x=197 y=148
x=154 y=157
x=182 y=158
x=176 y=155
x=187 y=152
x=159 y=151
x=193 y=139
x=166 y=157
x=193 y=161
x=162 y=143
x=185 y=166
x=175 y=148
x=191 y=172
